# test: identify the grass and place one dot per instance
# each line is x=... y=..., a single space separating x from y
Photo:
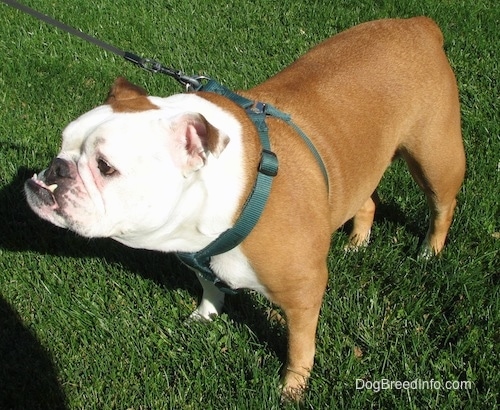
x=93 y=325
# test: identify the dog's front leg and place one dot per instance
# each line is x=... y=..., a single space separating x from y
x=211 y=303
x=302 y=324
x=301 y=308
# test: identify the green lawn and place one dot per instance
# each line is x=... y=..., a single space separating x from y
x=93 y=325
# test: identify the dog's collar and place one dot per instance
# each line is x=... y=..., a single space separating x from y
x=255 y=203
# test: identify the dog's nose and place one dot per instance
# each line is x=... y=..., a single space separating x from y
x=59 y=168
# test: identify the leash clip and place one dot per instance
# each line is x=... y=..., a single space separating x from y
x=191 y=83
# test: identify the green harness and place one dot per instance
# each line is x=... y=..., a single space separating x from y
x=256 y=201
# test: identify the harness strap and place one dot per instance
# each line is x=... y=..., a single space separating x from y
x=288 y=119
x=214 y=86
x=256 y=201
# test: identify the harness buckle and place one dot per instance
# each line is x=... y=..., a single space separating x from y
x=258 y=108
x=268 y=164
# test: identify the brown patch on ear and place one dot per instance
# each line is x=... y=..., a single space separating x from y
x=215 y=141
x=127 y=97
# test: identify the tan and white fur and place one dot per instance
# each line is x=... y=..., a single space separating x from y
x=171 y=174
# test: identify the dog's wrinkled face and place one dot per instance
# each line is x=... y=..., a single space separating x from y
x=121 y=174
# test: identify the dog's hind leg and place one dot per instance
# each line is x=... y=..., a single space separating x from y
x=362 y=224
x=438 y=167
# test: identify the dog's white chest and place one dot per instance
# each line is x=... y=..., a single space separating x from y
x=234 y=269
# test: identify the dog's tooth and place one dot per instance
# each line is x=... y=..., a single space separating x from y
x=52 y=187
x=34 y=177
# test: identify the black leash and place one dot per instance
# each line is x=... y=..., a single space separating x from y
x=191 y=83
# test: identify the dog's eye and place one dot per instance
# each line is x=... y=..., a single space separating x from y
x=105 y=168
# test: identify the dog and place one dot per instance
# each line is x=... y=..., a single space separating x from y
x=171 y=174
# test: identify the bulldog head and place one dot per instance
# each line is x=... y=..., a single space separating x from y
x=124 y=166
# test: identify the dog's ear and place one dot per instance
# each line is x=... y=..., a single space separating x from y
x=194 y=138
x=127 y=97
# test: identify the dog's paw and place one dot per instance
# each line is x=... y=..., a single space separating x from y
x=294 y=385
x=357 y=241
x=426 y=253
x=198 y=316
x=205 y=312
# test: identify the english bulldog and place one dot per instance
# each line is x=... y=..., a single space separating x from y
x=171 y=174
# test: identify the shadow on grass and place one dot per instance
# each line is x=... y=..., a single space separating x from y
x=28 y=379
x=24 y=231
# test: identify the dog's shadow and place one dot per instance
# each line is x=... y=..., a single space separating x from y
x=23 y=230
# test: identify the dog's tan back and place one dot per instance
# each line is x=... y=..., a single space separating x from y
x=379 y=89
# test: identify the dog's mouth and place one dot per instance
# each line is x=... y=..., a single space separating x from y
x=43 y=192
